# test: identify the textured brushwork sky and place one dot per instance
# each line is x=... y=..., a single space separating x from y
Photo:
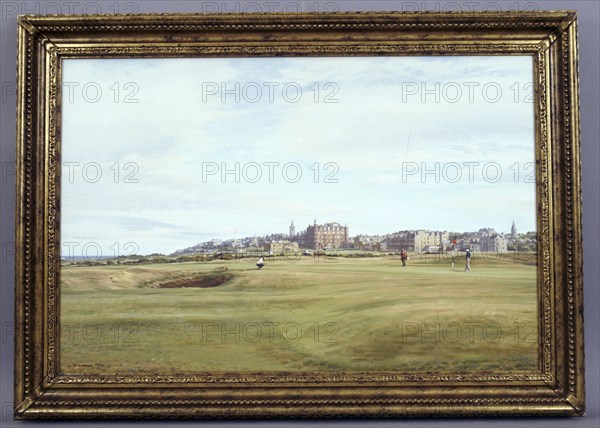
x=165 y=153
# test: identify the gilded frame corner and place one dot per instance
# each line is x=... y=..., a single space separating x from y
x=556 y=388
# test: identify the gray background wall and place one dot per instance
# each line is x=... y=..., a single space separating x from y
x=589 y=44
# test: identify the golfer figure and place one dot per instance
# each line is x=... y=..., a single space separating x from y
x=468 y=261
x=260 y=263
x=403 y=257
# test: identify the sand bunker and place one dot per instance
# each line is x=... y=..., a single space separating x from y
x=199 y=281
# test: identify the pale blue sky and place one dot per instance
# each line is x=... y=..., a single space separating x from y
x=386 y=122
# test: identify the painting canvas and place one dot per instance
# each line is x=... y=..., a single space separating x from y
x=307 y=214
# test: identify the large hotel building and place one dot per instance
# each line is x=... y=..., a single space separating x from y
x=322 y=236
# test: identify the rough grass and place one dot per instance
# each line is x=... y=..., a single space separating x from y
x=309 y=314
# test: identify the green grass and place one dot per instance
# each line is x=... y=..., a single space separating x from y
x=337 y=315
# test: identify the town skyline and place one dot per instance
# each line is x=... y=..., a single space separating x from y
x=434 y=238
x=438 y=238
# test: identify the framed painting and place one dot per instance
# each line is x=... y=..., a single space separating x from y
x=298 y=215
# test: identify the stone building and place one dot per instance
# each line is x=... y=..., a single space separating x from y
x=416 y=241
x=404 y=240
x=282 y=247
x=485 y=240
x=495 y=243
x=367 y=242
x=326 y=236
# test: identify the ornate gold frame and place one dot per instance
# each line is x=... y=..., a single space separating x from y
x=555 y=388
